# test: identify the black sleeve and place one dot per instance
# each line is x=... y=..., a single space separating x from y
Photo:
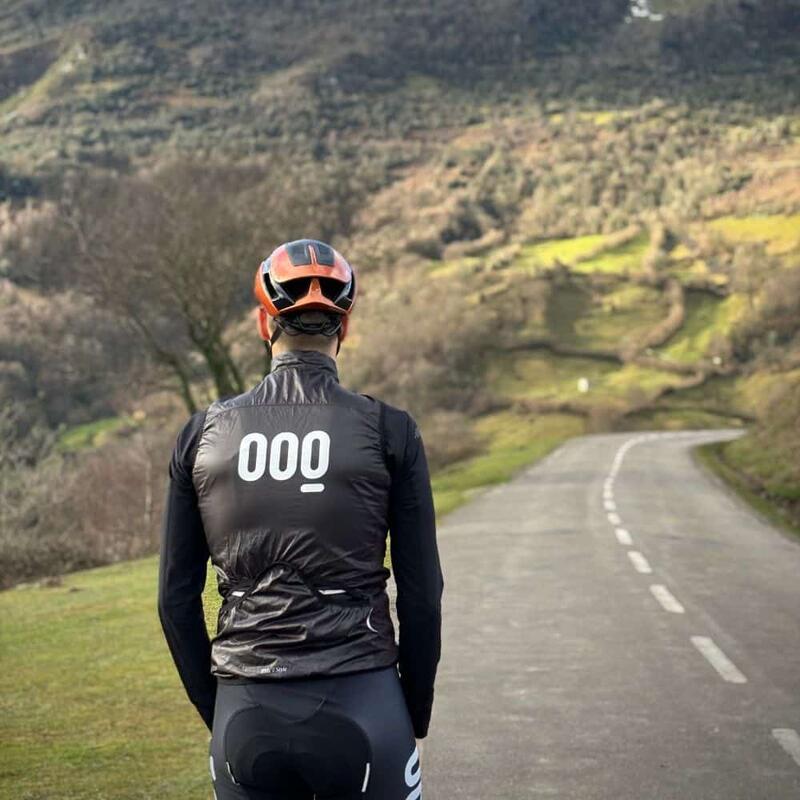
x=182 y=575
x=416 y=567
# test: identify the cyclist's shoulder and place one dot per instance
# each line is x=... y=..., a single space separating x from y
x=394 y=416
x=192 y=428
x=186 y=444
x=399 y=429
x=249 y=398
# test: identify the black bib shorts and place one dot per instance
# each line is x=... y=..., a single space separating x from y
x=346 y=737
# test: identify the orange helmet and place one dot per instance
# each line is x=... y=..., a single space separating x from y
x=304 y=275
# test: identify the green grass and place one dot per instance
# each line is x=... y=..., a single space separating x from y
x=96 y=710
x=736 y=462
x=620 y=259
x=632 y=382
x=514 y=441
x=623 y=315
x=542 y=376
x=585 y=254
x=754 y=389
x=457 y=266
x=706 y=318
x=567 y=251
x=679 y=418
x=594 y=253
x=91 y=434
x=781 y=232
x=769 y=467
x=67 y=69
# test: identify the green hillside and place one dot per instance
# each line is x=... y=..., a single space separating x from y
x=531 y=241
x=565 y=217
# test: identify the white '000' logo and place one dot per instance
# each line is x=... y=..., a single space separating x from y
x=282 y=457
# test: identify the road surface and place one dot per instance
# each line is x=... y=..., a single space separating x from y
x=618 y=626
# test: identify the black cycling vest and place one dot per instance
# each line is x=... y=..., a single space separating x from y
x=293 y=490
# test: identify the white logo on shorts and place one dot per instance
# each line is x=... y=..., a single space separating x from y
x=413 y=776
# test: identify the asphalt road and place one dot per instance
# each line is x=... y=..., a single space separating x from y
x=565 y=674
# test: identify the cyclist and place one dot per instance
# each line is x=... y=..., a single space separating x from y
x=290 y=490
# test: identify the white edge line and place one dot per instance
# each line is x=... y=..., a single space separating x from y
x=721 y=663
x=668 y=600
x=789 y=740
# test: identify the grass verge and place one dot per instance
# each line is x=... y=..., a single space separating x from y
x=515 y=440
x=714 y=457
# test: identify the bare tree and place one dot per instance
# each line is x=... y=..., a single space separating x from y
x=169 y=254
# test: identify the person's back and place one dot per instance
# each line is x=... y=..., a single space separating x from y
x=290 y=489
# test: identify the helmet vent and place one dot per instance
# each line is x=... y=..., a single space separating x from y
x=298 y=253
x=325 y=255
x=297 y=287
x=331 y=288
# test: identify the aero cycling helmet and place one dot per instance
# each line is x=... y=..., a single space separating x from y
x=302 y=276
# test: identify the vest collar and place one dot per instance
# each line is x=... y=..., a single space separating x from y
x=309 y=359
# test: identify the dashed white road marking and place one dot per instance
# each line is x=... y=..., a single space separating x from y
x=640 y=563
x=668 y=600
x=610 y=505
x=623 y=537
x=608 y=494
x=721 y=663
x=789 y=740
x=614 y=518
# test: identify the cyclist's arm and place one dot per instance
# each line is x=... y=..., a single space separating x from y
x=416 y=567
x=182 y=576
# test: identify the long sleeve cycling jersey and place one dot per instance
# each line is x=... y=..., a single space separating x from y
x=278 y=542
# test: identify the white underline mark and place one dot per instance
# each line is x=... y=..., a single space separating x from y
x=668 y=600
x=613 y=518
x=721 y=663
x=639 y=562
x=789 y=740
x=623 y=537
x=312 y=487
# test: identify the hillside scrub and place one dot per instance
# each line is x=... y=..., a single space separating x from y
x=423 y=346
x=63 y=511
